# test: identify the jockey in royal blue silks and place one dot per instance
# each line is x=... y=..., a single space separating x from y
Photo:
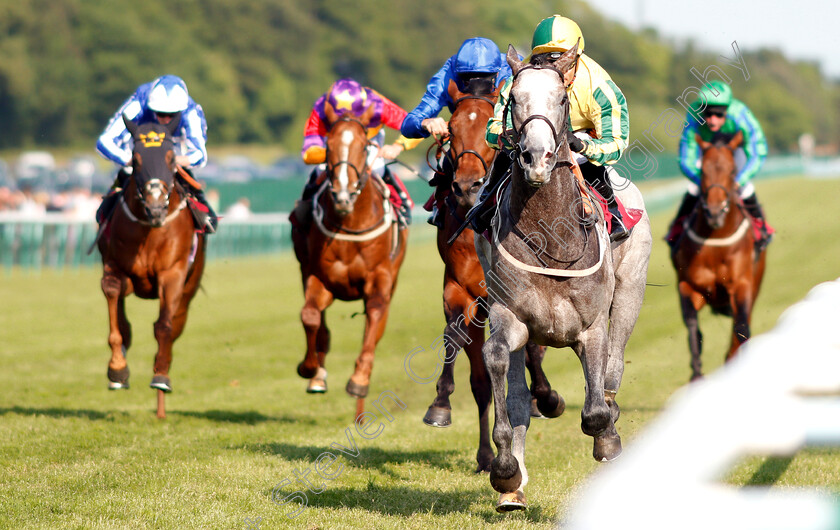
x=162 y=100
x=478 y=68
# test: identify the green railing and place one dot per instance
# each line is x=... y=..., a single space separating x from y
x=53 y=241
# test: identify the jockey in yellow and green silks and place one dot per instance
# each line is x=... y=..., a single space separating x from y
x=717 y=112
x=598 y=113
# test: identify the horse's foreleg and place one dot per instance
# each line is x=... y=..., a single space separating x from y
x=376 y=313
x=115 y=286
x=317 y=299
x=690 y=303
x=507 y=334
x=547 y=401
x=519 y=411
x=596 y=416
x=318 y=383
x=170 y=292
x=480 y=384
x=455 y=336
x=741 y=301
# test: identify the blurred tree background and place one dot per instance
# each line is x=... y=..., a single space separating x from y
x=256 y=66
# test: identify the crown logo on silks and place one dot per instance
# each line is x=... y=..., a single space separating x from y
x=152 y=139
x=347 y=94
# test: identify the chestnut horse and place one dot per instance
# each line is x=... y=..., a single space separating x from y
x=150 y=248
x=353 y=250
x=716 y=259
x=464 y=288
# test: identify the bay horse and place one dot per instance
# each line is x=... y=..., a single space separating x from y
x=716 y=259
x=352 y=251
x=464 y=289
x=554 y=277
x=150 y=248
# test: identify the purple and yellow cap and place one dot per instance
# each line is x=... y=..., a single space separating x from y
x=348 y=95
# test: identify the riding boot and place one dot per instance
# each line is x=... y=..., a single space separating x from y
x=405 y=201
x=301 y=216
x=203 y=214
x=598 y=178
x=442 y=181
x=481 y=214
x=757 y=213
x=687 y=205
x=109 y=201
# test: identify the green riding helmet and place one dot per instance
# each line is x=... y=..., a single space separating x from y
x=716 y=94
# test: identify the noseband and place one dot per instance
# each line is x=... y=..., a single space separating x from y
x=454 y=159
x=514 y=137
x=361 y=176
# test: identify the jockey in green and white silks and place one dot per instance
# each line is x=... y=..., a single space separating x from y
x=720 y=113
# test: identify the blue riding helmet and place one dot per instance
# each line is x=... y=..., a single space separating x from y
x=169 y=95
x=477 y=57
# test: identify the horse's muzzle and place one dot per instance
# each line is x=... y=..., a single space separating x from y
x=156 y=214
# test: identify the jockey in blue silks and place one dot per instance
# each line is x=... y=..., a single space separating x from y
x=162 y=100
x=478 y=68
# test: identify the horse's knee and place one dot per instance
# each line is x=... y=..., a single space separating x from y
x=595 y=419
x=310 y=317
x=163 y=329
x=111 y=286
x=115 y=339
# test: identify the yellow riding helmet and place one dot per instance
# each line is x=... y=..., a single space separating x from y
x=556 y=34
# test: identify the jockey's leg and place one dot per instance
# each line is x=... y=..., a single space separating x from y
x=689 y=202
x=484 y=209
x=442 y=182
x=405 y=200
x=598 y=178
x=757 y=212
x=302 y=212
x=208 y=220
x=109 y=201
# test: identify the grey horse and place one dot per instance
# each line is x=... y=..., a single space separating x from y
x=554 y=278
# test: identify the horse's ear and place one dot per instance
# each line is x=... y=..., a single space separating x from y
x=513 y=60
x=173 y=124
x=568 y=59
x=130 y=125
x=702 y=143
x=330 y=113
x=367 y=115
x=736 y=140
x=453 y=91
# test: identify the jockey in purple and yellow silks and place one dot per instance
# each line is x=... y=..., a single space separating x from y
x=349 y=95
x=598 y=115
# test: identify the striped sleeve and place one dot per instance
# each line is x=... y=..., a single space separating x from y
x=755 y=144
x=689 y=150
x=494 y=124
x=612 y=125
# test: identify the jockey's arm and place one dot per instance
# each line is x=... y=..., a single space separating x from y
x=754 y=144
x=314 y=146
x=609 y=114
x=690 y=151
x=493 y=135
x=432 y=102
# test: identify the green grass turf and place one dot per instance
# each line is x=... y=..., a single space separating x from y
x=74 y=455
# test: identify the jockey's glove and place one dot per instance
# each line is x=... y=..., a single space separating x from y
x=575 y=143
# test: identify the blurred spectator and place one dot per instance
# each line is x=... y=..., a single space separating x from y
x=241 y=209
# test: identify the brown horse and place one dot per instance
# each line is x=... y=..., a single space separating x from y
x=464 y=288
x=150 y=248
x=716 y=259
x=353 y=250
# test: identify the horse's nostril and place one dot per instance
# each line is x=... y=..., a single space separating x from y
x=456 y=189
x=526 y=157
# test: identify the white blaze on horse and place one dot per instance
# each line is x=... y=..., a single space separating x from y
x=554 y=278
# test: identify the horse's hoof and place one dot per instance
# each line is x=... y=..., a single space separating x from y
x=118 y=379
x=161 y=382
x=306 y=373
x=511 y=502
x=535 y=410
x=553 y=406
x=607 y=448
x=505 y=476
x=438 y=417
x=356 y=390
x=318 y=384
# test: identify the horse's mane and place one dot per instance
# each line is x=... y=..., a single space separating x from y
x=720 y=139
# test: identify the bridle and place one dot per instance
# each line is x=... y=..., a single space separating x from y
x=361 y=175
x=514 y=135
x=454 y=159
